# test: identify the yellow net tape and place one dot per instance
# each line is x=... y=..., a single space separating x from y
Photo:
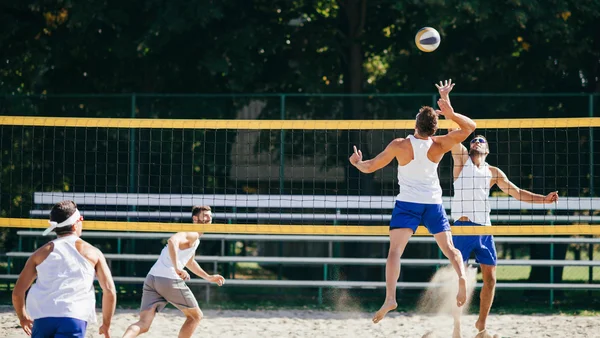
x=286 y=124
x=500 y=230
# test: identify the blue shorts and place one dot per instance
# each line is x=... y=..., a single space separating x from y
x=411 y=215
x=59 y=327
x=483 y=246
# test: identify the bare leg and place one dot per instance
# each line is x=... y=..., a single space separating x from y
x=142 y=325
x=488 y=290
x=398 y=240
x=192 y=320
x=444 y=241
x=456 y=314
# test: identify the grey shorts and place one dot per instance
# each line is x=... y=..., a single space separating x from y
x=161 y=290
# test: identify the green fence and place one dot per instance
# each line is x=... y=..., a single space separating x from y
x=295 y=106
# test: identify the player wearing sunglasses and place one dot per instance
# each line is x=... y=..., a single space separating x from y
x=473 y=178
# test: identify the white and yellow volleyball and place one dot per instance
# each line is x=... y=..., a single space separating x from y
x=427 y=39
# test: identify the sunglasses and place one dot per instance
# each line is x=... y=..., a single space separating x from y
x=478 y=139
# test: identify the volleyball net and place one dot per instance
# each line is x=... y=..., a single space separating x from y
x=277 y=176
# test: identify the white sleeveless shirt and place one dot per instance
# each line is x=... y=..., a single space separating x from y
x=164 y=267
x=471 y=191
x=64 y=285
x=418 y=180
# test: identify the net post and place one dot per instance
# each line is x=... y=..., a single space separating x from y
x=591 y=268
x=552 y=275
x=591 y=246
x=281 y=144
x=131 y=189
x=591 y=114
x=132 y=152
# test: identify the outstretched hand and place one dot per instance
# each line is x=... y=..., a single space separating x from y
x=356 y=156
x=444 y=88
x=551 y=197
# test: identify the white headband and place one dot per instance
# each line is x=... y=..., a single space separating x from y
x=69 y=221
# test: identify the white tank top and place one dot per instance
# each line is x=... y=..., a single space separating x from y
x=64 y=285
x=164 y=267
x=418 y=180
x=471 y=191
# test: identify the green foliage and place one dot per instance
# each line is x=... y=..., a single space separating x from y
x=296 y=46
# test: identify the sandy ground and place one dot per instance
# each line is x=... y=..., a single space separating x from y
x=432 y=320
x=306 y=323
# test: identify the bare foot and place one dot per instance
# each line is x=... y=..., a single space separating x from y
x=461 y=297
x=480 y=325
x=388 y=306
x=484 y=334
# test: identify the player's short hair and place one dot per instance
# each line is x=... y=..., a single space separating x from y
x=60 y=212
x=427 y=121
x=196 y=210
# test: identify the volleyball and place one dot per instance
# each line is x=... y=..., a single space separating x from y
x=427 y=39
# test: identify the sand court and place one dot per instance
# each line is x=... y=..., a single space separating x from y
x=307 y=323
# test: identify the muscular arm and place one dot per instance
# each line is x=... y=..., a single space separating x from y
x=196 y=268
x=109 y=294
x=460 y=154
x=26 y=278
x=459 y=157
x=499 y=178
x=450 y=140
x=379 y=161
x=443 y=144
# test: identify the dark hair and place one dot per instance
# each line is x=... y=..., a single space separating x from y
x=60 y=212
x=196 y=210
x=427 y=120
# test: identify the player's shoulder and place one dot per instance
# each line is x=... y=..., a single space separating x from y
x=400 y=142
x=496 y=172
x=190 y=236
x=440 y=138
x=42 y=253
x=88 y=250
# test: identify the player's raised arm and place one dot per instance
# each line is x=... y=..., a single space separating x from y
x=444 y=89
x=379 y=161
x=460 y=153
x=466 y=126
